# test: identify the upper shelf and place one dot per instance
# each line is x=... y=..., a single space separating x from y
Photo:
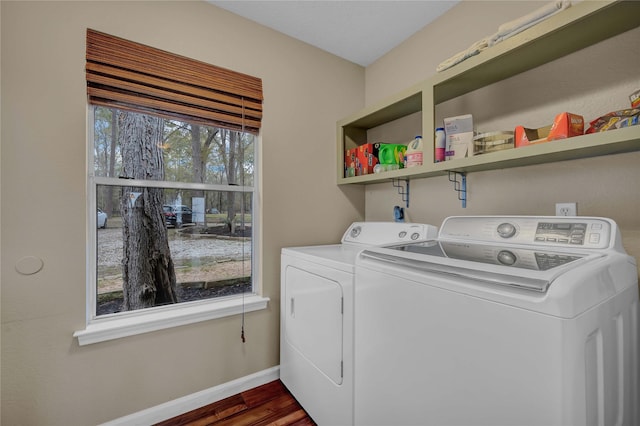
x=400 y=105
x=575 y=28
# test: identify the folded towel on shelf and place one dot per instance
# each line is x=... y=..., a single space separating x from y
x=511 y=28
x=474 y=49
x=506 y=30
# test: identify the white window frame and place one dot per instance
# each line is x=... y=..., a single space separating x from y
x=123 y=324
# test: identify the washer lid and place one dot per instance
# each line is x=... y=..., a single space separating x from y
x=520 y=267
x=516 y=257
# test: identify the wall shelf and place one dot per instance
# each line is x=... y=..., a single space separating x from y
x=577 y=27
x=592 y=145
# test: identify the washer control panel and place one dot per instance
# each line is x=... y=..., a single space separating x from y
x=567 y=233
x=577 y=232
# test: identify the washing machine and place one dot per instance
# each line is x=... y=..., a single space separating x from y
x=316 y=317
x=508 y=320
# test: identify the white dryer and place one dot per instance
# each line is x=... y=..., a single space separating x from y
x=501 y=321
x=316 y=317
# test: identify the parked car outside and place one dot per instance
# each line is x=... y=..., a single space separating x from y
x=214 y=211
x=102 y=219
x=177 y=216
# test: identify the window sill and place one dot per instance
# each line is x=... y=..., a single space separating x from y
x=130 y=324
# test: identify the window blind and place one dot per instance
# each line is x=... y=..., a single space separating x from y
x=134 y=77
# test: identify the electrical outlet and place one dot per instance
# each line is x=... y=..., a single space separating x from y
x=566 y=209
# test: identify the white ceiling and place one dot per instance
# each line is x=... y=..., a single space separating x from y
x=360 y=31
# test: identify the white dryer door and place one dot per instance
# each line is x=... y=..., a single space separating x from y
x=314 y=319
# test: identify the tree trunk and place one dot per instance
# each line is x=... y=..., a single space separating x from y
x=231 y=179
x=112 y=160
x=198 y=166
x=148 y=271
x=196 y=153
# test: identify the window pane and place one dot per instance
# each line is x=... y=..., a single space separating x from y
x=208 y=233
x=190 y=153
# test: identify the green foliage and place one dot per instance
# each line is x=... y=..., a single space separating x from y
x=227 y=157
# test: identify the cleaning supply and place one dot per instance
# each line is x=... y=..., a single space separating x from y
x=414 y=152
x=440 y=144
x=398 y=214
x=390 y=156
x=459 y=132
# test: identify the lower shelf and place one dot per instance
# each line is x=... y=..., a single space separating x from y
x=591 y=145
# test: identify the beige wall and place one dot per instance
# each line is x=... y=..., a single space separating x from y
x=46 y=377
x=591 y=82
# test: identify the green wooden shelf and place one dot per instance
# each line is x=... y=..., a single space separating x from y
x=575 y=28
x=591 y=145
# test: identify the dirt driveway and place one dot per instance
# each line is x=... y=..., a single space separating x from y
x=196 y=258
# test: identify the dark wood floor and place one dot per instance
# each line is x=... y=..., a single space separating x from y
x=269 y=404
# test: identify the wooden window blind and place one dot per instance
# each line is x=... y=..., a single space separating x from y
x=134 y=77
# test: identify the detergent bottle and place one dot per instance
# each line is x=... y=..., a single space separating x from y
x=415 y=152
x=390 y=156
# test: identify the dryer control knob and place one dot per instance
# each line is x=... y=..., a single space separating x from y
x=355 y=231
x=506 y=257
x=506 y=230
x=415 y=236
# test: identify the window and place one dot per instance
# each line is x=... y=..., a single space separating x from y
x=194 y=254
x=172 y=190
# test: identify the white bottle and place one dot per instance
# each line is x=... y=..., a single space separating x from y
x=414 y=152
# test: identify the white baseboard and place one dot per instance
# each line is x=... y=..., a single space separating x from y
x=196 y=400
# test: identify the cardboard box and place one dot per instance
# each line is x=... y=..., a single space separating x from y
x=366 y=159
x=492 y=141
x=565 y=125
x=360 y=160
x=635 y=99
x=350 y=157
x=459 y=136
x=525 y=136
